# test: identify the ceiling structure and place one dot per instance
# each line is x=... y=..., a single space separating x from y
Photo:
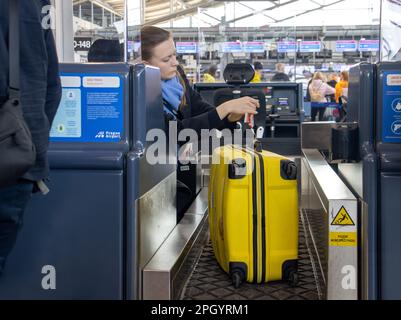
x=272 y=11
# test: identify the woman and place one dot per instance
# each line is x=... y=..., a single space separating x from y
x=181 y=102
x=158 y=49
x=341 y=85
x=318 y=91
x=342 y=93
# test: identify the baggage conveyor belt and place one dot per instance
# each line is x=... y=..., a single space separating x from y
x=185 y=267
x=209 y=282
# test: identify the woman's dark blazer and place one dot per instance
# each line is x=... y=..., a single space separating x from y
x=197 y=114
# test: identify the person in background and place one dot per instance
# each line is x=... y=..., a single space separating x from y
x=332 y=83
x=258 y=66
x=210 y=74
x=40 y=94
x=106 y=50
x=280 y=74
x=318 y=90
x=341 y=85
x=183 y=104
x=307 y=96
x=342 y=92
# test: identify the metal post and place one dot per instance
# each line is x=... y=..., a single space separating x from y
x=64 y=37
x=126 y=30
x=171 y=12
x=92 y=20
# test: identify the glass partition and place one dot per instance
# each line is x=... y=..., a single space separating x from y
x=98 y=29
x=304 y=35
x=240 y=32
x=391 y=30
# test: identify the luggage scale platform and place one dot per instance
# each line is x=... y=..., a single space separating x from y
x=209 y=282
x=185 y=266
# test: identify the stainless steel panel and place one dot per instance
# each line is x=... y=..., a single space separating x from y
x=199 y=206
x=157 y=217
x=323 y=197
x=352 y=173
x=150 y=175
x=160 y=273
x=205 y=178
x=316 y=135
x=364 y=268
x=325 y=179
x=206 y=161
x=199 y=174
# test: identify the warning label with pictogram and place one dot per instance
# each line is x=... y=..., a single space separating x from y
x=342 y=218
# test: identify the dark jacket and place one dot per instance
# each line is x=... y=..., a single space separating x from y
x=40 y=87
x=280 y=76
x=198 y=114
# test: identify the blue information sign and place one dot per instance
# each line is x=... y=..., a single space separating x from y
x=310 y=46
x=391 y=125
x=369 y=45
x=286 y=46
x=255 y=47
x=186 y=47
x=91 y=109
x=232 y=47
x=346 y=45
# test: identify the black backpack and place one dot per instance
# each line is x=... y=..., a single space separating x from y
x=17 y=151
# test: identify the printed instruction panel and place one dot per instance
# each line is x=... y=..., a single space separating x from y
x=391 y=126
x=91 y=109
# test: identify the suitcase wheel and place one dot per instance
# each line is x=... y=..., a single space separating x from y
x=293 y=279
x=237 y=279
x=238 y=272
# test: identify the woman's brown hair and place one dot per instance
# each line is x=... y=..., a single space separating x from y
x=344 y=75
x=151 y=37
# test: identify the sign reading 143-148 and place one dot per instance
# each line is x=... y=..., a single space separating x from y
x=91 y=109
x=391 y=126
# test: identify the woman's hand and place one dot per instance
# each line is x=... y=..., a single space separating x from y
x=237 y=108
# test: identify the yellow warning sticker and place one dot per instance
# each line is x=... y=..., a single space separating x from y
x=343 y=239
x=342 y=218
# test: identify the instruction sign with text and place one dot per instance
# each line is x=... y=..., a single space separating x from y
x=91 y=109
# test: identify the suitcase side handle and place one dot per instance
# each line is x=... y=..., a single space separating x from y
x=288 y=170
x=237 y=169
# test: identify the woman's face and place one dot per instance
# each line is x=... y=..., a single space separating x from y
x=164 y=57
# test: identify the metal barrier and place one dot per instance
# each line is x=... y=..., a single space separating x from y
x=165 y=274
x=329 y=212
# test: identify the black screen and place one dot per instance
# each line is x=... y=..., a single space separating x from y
x=286 y=97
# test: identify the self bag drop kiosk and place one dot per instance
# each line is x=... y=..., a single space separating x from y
x=375 y=103
x=283 y=118
x=100 y=223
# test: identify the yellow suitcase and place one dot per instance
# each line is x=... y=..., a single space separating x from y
x=253 y=215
